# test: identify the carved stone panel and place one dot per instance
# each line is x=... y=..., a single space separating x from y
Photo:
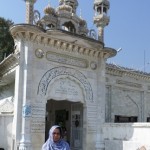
x=68 y=72
x=68 y=60
x=38 y=118
x=65 y=88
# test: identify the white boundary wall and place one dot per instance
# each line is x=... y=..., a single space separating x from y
x=126 y=136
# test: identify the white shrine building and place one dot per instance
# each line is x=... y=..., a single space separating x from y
x=58 y=75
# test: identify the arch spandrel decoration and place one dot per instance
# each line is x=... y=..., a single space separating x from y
x=61 y=71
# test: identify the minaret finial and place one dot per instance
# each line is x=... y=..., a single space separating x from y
x=29 y=11
x=101 y=19
x=49 y=2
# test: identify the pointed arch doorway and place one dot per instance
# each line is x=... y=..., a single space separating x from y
x=69 y=115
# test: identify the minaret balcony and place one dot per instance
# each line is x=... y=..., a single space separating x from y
x=102 y=19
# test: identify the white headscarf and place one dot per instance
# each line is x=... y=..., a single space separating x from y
x=51 y=145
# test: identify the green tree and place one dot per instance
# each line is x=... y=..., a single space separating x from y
x=6 y=40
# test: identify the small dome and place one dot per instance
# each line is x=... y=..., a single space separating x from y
x=82 y=22
x=49 y=10
x=65 y=7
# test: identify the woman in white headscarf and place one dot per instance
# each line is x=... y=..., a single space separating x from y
x=55 y=141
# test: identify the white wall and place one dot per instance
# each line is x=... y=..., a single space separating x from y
x=6 y=131
x=126 y=136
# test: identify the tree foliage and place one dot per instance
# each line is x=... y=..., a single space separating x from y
x=6 y=40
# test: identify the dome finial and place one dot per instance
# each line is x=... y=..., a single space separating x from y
x=80 y=13
x=71 y=3
x=49 y=10
x=49 y=2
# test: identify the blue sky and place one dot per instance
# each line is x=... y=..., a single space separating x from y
x=129 y=27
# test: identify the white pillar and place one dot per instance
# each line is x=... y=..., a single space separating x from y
x=25 y=141
x=100 y=103
x=17 y=109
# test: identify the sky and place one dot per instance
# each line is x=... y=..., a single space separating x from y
x=129 y=27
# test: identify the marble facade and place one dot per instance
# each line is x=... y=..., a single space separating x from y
x=53 y=70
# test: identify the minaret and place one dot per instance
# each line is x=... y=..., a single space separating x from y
x=72 y=3
x=101 y=18
x=29 y=11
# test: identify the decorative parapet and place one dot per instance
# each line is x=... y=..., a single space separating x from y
x=122 y=71
x=61 y=40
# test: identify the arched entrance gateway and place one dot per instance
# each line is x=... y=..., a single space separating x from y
x=66 y=92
